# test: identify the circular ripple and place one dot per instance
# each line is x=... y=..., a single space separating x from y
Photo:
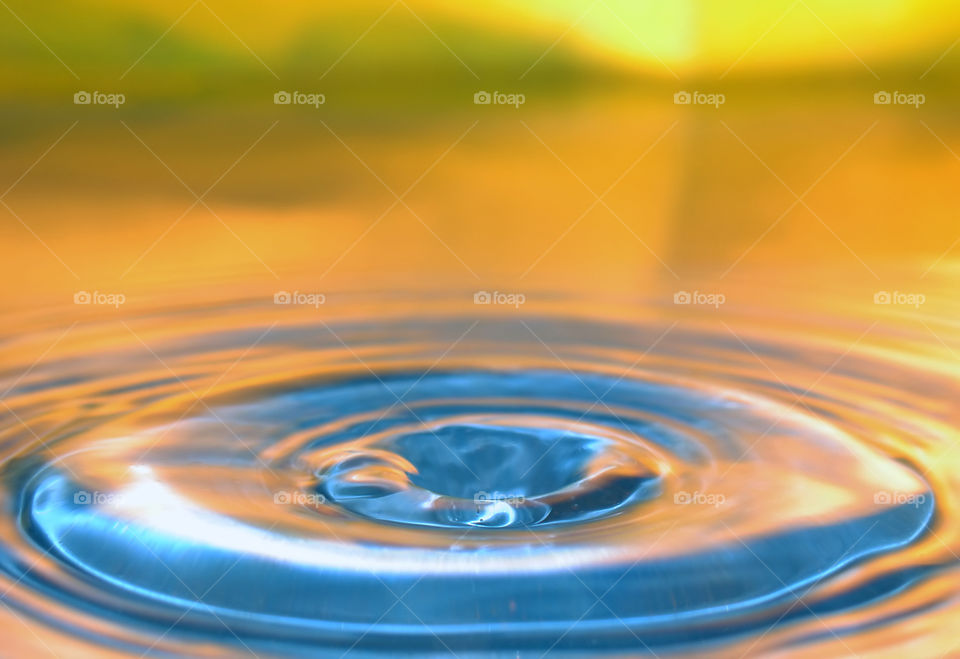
x=298 y=509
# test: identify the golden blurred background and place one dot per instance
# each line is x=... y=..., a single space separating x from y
x=599 y=179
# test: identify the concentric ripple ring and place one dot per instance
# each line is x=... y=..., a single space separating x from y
x=580 y=498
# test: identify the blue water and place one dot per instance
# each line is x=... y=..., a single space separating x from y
x=373 y=500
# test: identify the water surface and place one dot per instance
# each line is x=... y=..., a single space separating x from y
x=237 y=478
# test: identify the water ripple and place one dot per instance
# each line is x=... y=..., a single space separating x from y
x=557 y=483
